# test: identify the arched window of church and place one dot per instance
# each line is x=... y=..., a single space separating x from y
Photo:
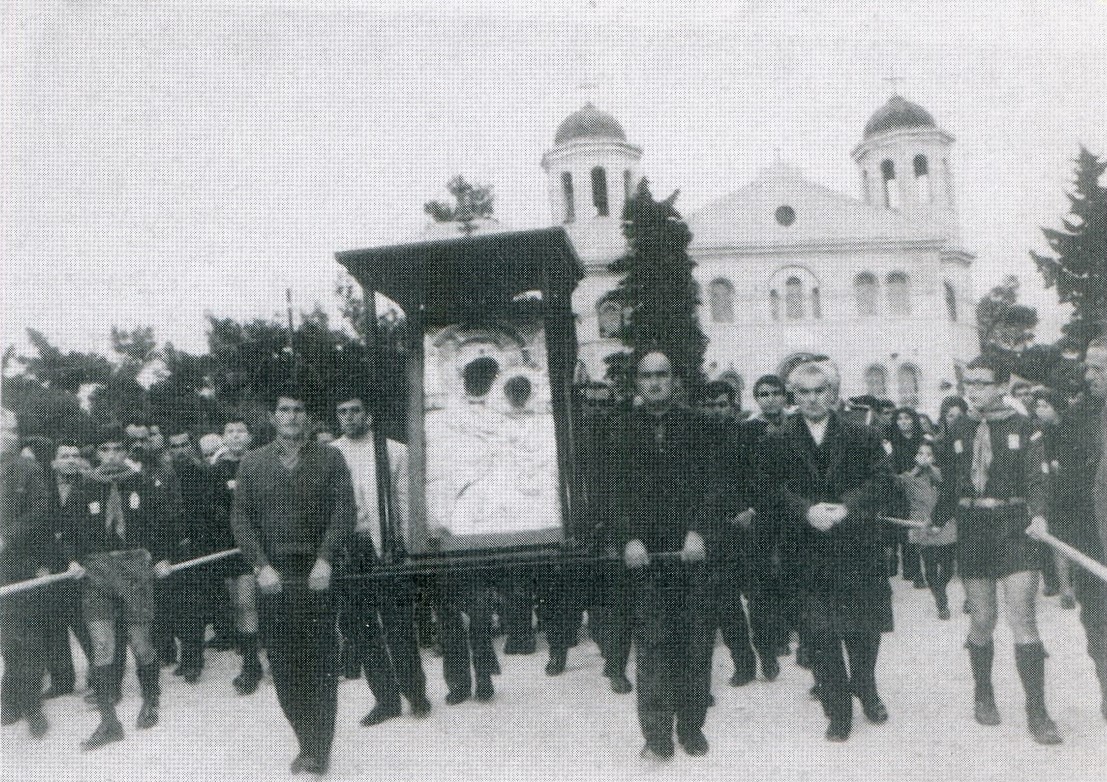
x=793 y=298
x=609 y=313
x=721 y=301
x=908 y=380
x=774 y=299
x=626 y=184
x=891 y=189
x=922 y=179
x=567 y=196
x=865 y=292
x=599 y=191
x=951 y=300
x=899 y=294
x=876 y=381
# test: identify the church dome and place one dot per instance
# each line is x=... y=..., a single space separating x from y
x=589 y=123
x=896 y=114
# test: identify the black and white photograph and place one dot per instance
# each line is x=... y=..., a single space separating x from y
x=590 y=389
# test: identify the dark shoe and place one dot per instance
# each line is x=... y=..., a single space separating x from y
x=875 y=710
x=770 y=668
x=985 y=710
x=838 y=731
x=1068 y=602
x=108 y=731
x=657 y=750
x=454 y=697
x=943 y=614
x=742 y=678
x=485 y=690
x=37 y=724
x=1043 y=729
x=420 y=707
x=192 y=675
x=556 y=664
x=247 y=682
x=620 y=684
x=147 y=716
x=694 y=744
x=382 y=712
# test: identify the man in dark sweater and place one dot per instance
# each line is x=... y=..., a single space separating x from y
x=25 y=542
x=661 y=489
x=115 y=527
x=293 y=513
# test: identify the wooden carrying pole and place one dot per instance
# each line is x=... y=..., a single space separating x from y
x=54 y=578
x=1076 y=555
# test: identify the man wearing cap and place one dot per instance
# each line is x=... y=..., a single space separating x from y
x=293 y=513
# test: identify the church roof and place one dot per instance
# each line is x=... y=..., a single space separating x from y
x=781 y=209
x=898 y=113
x=589 y=123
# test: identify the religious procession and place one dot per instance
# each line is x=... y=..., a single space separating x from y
x=797 y=484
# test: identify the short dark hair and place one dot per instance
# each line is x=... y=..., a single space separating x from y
x=1001 y=372
x=717 y=388
x=347 y=392
x=110 y=433
x=768 y=380
x=286 y=390
x=518 y=390
x=949 y=403
x=235 y=418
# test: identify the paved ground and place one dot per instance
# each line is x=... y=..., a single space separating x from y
x=574 y=728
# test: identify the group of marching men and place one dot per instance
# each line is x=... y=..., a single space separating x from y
x=803 y=509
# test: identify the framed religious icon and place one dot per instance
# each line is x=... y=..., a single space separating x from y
x=488 y=354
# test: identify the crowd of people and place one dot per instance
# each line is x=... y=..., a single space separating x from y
x=779 y=530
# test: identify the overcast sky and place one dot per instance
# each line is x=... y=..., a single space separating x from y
x=162 y=160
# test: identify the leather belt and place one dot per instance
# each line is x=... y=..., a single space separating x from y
x=989 y=502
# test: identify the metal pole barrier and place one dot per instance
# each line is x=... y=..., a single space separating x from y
x=34 y=583
x=1076 y=555
x=905 y=522
x=218 y=555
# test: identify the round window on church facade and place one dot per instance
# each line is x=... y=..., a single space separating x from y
x=785 y=215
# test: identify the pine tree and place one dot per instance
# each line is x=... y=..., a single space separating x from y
x=1079 y=268
x=659 y=294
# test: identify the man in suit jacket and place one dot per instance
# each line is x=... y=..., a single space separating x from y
x=831 y=475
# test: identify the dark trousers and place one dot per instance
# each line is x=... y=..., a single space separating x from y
x=563 y=590
x=727 y=583
x=301 y=639
x=379 y=621
x=517 y=599
x=1091 y=593
x=165 y=619
x=188 y=595
x=22 y=647
x=938 y=568
x=472 y=596
x=828 y=661
x=63 y=616
x=674 y=649
x=613 y=614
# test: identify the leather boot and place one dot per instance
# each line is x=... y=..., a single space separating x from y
x=1030 y=661
x=148 y=676
x=102 y=679
x=248 y=679
x=980 y=657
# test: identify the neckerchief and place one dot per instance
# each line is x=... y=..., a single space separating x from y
x=982 y=444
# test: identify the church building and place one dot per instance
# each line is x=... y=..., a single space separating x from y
x=880 y=283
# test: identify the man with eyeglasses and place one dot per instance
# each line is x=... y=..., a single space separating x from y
x=662 y=506
x=831 y=475
x=996 y=475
